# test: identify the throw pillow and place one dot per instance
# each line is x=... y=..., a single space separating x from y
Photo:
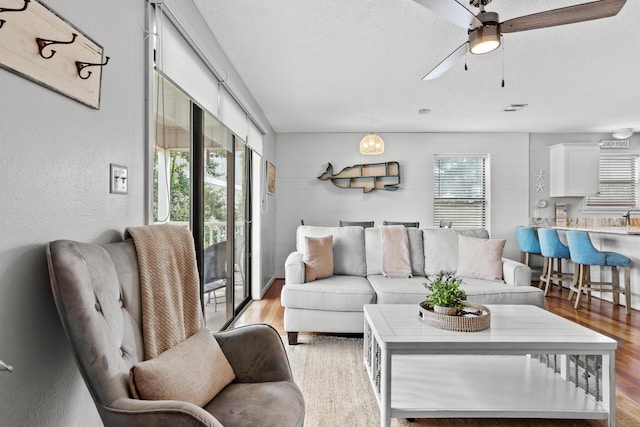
x=318 y=258
x=480 y=258
x=440 y=250
x=396 y=256
x=194 y=371
x=348 y=247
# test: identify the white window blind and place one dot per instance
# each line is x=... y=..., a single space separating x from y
x=618 y=182
x=254 y=139
x=232 y=115
x=460 y=191
x=179 y=62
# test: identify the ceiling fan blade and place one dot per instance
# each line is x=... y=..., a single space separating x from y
x=453 y=11
x=565 y=15
x=447 y=62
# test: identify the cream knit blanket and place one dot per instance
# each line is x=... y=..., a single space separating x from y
x=396 y=256
x=169 y=285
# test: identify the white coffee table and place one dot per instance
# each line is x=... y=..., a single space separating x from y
x=418 y=371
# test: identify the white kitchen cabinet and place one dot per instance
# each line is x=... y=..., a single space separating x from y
x=574 y=169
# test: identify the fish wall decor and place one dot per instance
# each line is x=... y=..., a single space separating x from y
x=369 y=177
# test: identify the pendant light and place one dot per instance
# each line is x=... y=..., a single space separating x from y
x=622 y=133
x=371 y=143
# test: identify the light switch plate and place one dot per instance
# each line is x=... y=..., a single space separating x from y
x=118 y=179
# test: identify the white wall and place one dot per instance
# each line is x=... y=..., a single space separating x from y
x=54 y=169
x=268 y=221
x=301 y=158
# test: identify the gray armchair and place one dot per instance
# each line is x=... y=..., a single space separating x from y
x=97 y=292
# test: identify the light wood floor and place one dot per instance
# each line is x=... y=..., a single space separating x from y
x=601 y=316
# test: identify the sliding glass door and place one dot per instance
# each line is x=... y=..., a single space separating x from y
x=242 y=223
x=201 y=177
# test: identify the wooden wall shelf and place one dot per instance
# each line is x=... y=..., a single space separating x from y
x=369 y=177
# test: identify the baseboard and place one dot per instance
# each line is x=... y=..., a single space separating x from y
x=266 y=287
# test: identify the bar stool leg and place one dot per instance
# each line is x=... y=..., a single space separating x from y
x=544 y=277
x=587 y=281
x=581 y=281
x=559 y=264
x=548 y=276
x=615 y=282
x=573 y=288
x=627 y=289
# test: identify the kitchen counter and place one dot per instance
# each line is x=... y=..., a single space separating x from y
x=607 y=229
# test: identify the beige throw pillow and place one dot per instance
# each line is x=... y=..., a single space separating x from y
x=194 y=371
x=480 y=258
x=318 y=259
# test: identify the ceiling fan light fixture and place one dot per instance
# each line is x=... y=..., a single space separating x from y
x=484 y=39
x=371 y=144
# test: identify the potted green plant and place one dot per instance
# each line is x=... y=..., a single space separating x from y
x=445 y=295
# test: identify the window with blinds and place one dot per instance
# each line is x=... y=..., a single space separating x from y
x=460 y=191
x=618 y=182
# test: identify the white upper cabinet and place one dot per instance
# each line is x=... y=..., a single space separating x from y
x=574 y=169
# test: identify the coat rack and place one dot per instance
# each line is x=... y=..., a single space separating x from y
x=38 y=44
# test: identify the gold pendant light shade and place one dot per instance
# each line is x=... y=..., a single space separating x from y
x=371 y=144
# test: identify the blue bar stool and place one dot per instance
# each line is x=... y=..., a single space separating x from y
x=528 y=243
x=585 y=255
x=553 y=250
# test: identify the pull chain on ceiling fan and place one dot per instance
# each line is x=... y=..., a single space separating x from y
x=485 y=30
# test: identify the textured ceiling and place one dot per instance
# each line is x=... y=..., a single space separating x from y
x=336 y=65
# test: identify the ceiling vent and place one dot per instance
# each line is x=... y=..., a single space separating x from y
x=515 y=107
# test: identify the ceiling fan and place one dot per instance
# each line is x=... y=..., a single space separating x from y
x=485 y=29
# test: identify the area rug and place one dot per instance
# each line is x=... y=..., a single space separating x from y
x=330 y=372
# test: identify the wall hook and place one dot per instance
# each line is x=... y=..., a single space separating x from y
x=5 y=9
x=42 y=43
x=82 y=65
x=5 y=367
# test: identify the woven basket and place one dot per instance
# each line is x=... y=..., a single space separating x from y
x=447 y=311
x=472 y=323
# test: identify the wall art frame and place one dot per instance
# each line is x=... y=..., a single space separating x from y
x=271 y=178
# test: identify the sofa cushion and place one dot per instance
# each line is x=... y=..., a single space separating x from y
x=318 y=258
x=482 y=291
x=336 y=293
x=479 y=291
x=348 y=247
x=398 y=290
x=441 y=248
x=194 y=371
x=480 y=258
x=373 y=245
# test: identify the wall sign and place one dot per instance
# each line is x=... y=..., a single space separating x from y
x=369 y=177
x=614 y=143
x=38 y=44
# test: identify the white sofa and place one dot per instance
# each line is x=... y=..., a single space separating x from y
x=334 y=304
